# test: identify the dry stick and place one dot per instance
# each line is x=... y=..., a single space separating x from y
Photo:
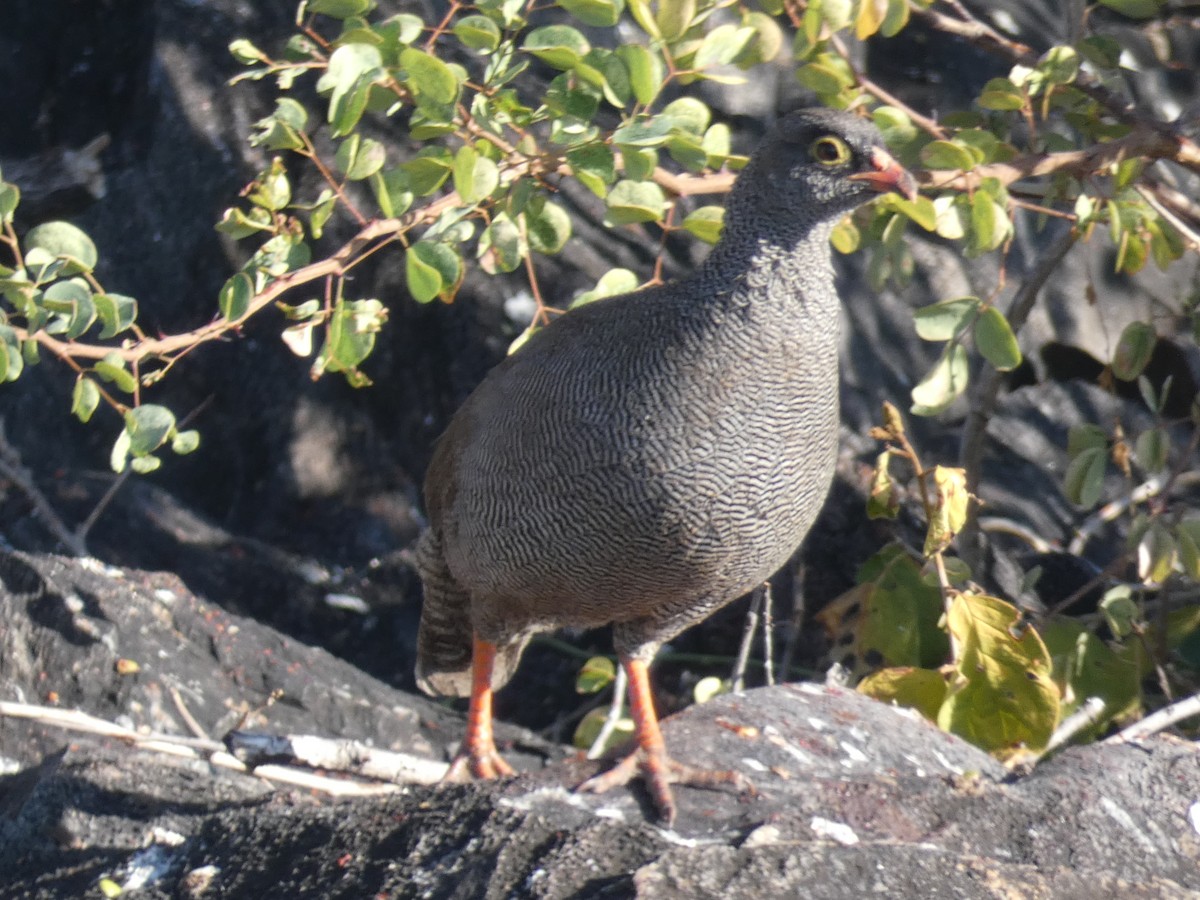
x=615 y=710
x=738 y=680
x=768 y=629
x=1088 y=714
x=1156 y=722
x=321 y=751
x=974 y=435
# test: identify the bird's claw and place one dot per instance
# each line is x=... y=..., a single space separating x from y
x=477 y=764
x=658 y=771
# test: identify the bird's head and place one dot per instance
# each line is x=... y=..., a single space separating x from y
x=821 y=163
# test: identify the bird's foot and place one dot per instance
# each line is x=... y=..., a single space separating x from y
x=658 y=771
x=477 y=763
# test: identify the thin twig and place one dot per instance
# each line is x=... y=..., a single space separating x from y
x=616 y=711
x=1156 y=722
x=987 y=390
x=12 y=468
x=1087 y=715
x=738 y=678
x=399 y=766
x=768 y=630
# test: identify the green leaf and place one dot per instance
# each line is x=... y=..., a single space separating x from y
x=945 y=381
x=990 y=224
x=185 y=442
x=722 y=45
x=1002 y=697
x=144 y=465
x=1134 y=349
x=597 y=674
x=475 y=176
x=594 y=165
x=430 y=79
x=112 y=369
x=281 y=130
x=1084 y=480
x=428 y=171
x=478 y=33
x=705 y=223
x=687 y=113
x=12 y=361
x=359 y=158
x=1135 y=9
x=995 y=340
x=116 y=311
x=64 y=241
x=246 y=53
x=272 y=190
x=1187 y=533
x=921 y=689
x=645 y=133
x=560 y=46
x=1156 y=554
x=945 y=320
x=846 y=238
x=1001 y=94
x=1060 y=65
x=548 y=227
x=85 y=398
x=892 y=615
x=766 y=43
x=646 y=71
x=598 y=13
x=1152 y=448
x=612 y=283
x=149 y=426
x=119 y=455
x=10 y=198
x=1085 y=436
x=352 y=68
x=392 y=193
x=235 y=296
x=350 y=338
x=1086 y=666
x=635 y=201
x=947 y=155
x=674 y=18
x=71 y=303
x=500 y=246
x=339 y=9
x=590 y=726
x=432 y=269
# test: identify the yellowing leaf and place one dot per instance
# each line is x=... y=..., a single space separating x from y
x=950 y=499
x=1002 y=697
x=921 y=689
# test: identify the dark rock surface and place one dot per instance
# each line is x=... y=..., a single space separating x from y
x=852 y=797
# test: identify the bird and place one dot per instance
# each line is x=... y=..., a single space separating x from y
x=648 y=458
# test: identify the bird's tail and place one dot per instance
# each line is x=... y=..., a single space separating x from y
x=445 y=637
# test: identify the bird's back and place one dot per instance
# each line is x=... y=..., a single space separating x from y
x=641 y=458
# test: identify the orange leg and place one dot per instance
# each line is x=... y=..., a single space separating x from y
x=650 y=758
x=478 y=757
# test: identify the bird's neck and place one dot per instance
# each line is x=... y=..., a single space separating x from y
x=772 y=267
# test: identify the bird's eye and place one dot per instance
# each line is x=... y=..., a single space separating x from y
x=830 y=151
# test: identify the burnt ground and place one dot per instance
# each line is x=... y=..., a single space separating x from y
x=262 y=585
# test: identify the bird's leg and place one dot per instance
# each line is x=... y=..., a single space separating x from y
x=650 y=758
x=478 y=757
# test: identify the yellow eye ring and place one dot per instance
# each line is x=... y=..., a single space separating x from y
x=830 y=151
